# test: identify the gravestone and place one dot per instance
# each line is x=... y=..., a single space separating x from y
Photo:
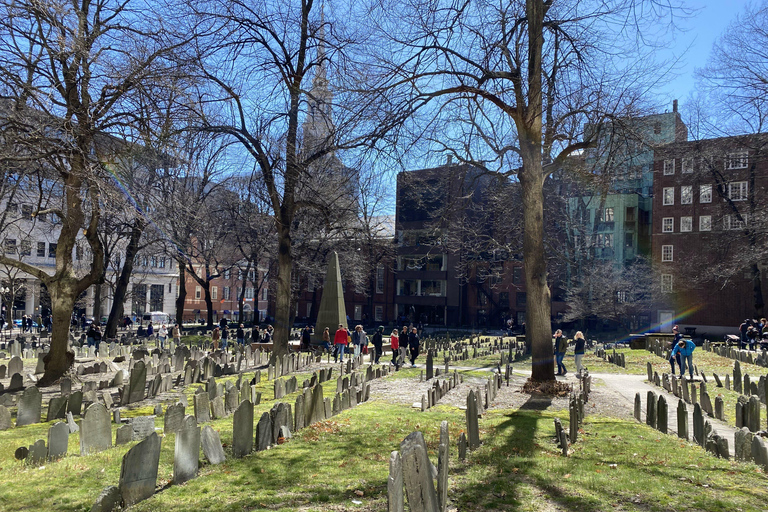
x=217 y=408
x=661 y=415
x=95 y=430
x=473 y=429
x=75 y=403
x=5 y=418
x=264 y=432
x=211 y=442
x=142 y=427
x=15 y=365
x=174 y=417
x=754 y=413
x=37 y=452
x=737 y=377
x=58 y=440
x=429 y=369
x=108 y=500
x=395 y=501
x=65 y=385
x=123 y=435
x=699 y=435
x=30 y=406
x=138 y=473
x=71 y=425
x=186 y=452
x=232 y=400
x=682 y=420
x=136 y=383
x=638 y=407
x=442 y=467
x=417 y=474
x=57 y=408
x=242 y=430
x=650 y=412
x=462 y=446
x=742 y=439
x=202 y=407
x=281 y=416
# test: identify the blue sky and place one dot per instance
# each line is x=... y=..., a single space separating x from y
x=700 y=32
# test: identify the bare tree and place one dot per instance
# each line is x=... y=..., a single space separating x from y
x=532 y=74
x=68 y=69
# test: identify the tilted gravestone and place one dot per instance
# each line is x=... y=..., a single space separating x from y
x=30 y=406
x=242 y=430
x=264 y=432
x=58 y=440
x=95 y=430
x=212 y=445
x=281 y=416
x=75 y=403
x=417 y=474
x=138 y=473
x=186 y=453
x=395 y=501
x=57 y=408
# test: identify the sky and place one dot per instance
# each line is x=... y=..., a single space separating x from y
x=710 y=20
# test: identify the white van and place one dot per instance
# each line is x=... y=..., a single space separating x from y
x=158 y=318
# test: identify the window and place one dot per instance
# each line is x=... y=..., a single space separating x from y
x=705 y=194
x=26 y=248
x=378 y=313
x=737 y=191
x=733 y=222
x=669 y=196
x=517 y=275
x=153 y=261
x=432 y=289
x=358 y=312
x=227 y=274
x=263 y=294
x=687 y=165
x=705 y=223
x=630 y=214
x=686 y=194
x=26 y=211
x=737 y=160
x=605 y=240
x=380 y=278
x=10 y=246
x=170 y=287
x=156 y=297
x=606 y=215
x=239 y=274
x=198 y=292
x=41 y=217
x=226 y=293
x=249 y=293
x=52 y=250
x=309 y=310
x=666 y=253
x=668 y=225
x=12 y=208
x=41 y=249
x=214 y=292
x=629 y=240
x=669 y=167
x=145 y=261
x=686 y=224
x=666 y=283
x=521 y=299
x=161 y=262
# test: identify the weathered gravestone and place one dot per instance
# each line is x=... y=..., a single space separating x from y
x=58 y=440
x=186 y=453
x=37 y=452
x=57 y=408
x=638 y=407
x=264 y=432
x=417 y=474
x=142 y=426
x=212 y=445
x=123 y=435
x=174 y=416
x=15 y=365
x=202 y=407
x=30 y=406
x=742 y=440
x=217 y=408
x=75 y=403
x=442 y=467
x=138 y=473
x=661 y=414
x=242 y=430
x=473 y=429
x=650 y=409
x=395 y=501
x=95 y=430
x=682 y=420
x=5 y=418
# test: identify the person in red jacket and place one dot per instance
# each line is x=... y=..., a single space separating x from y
x=340 y=341
x=395 y=342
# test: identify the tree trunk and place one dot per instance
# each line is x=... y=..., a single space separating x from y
x=757 y=288
x=181 y=299
x=283 y=298
x=60 y=357
x=121 y=288
x=208 y=303
x=97 y=303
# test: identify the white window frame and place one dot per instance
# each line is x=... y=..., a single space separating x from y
x=378 y=313
x=214 y=292
x=669 y=167
x=738 y=190
x=226 y=293
x=705 y=223
x=731 y=222
x=737 y=160
x=668 y=225
x=686 y=165
x=705 y=193
x=686 y=224
x=668 y=196
x=686 y=194
x=198 y=292
x=667 y=253
x=666 y=283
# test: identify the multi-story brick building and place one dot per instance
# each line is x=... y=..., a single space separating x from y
x=709 y=242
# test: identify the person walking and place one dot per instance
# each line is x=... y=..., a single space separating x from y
x=327 y=339
x=378 y=342
x=685 y=348
x=578 y=350
x=340 y=341
x=150 y=329
x=675 y=356
x=359 y=338
x=176 y=334
x=306 y=338
x=240 y=335
x=413 y=346
x=394 y=342
x=561 y=347
x=215 y=337
x=162 y=334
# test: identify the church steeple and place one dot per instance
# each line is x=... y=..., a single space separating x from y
x=318 y=125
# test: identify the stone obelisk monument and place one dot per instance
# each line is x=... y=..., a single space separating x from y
x=332 y=309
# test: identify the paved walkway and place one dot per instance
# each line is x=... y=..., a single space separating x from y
x=626 y=386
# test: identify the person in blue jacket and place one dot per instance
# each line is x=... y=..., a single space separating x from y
x=685 y=348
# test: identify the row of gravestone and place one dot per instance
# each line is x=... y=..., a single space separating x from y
x=759 y=358
x=688 y=391
x=439 y=390
x=704 y=434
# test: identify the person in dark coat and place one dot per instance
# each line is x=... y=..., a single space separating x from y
x=378 y=341
x=413 y=345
